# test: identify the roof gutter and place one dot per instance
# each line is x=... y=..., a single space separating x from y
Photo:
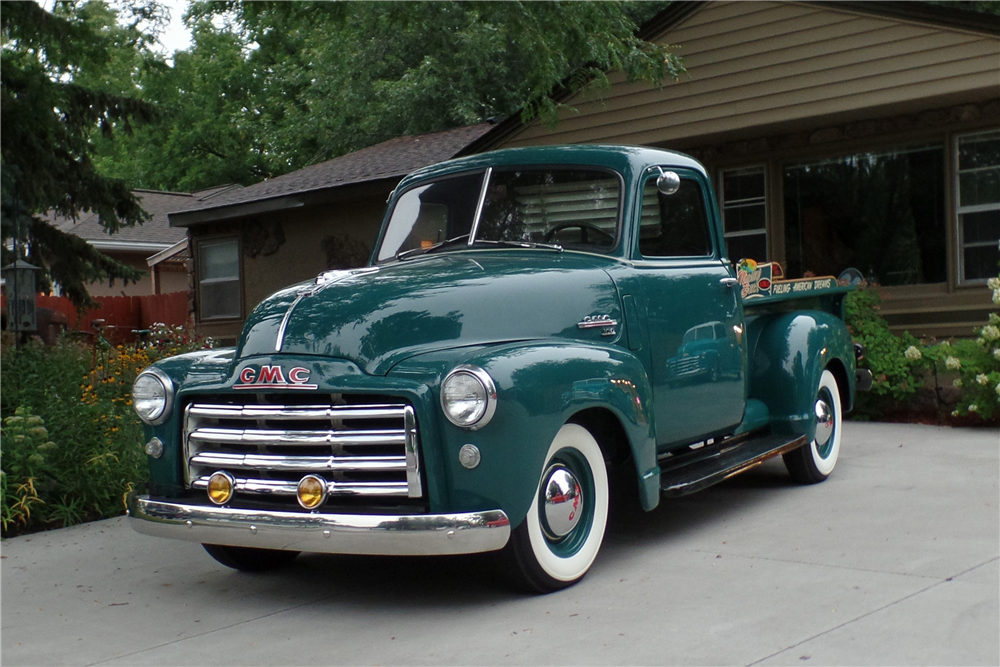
x=128 y=246
x=230 y=211
x=166 y=254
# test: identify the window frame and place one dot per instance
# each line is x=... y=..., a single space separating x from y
x=960 y=244
x=763 y=169
x=216 y=240
x=717 y=244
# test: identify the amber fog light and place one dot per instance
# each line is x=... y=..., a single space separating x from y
x=220 y=487
x=311 y=491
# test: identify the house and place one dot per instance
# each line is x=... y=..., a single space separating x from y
x=135 y=245
x=248 y=243
x=839 y=135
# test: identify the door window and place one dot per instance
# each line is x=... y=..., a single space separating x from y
x=674 y=225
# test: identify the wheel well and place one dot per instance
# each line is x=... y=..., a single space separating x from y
x=840 y=374
x=608 y=432
x=622 y=475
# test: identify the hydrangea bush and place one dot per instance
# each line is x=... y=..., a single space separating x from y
x=901 y=365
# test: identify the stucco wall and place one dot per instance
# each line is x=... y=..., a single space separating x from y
x=141 y=288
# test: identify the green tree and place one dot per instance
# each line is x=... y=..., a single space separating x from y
x=278 y=86
x=49 y=119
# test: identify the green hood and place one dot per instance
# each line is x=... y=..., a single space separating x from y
x=377 y=317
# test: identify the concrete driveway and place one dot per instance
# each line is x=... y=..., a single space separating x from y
x=894 y=560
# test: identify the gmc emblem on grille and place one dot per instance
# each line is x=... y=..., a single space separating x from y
x=272 y=377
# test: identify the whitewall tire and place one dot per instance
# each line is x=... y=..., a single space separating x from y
x=557 y=543
x=814 y=461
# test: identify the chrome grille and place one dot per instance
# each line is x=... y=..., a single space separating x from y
x=366 y=450
x=687 y=366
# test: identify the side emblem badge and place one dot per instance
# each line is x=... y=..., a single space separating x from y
x=599 y=322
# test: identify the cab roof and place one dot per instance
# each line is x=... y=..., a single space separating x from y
x=627 y=160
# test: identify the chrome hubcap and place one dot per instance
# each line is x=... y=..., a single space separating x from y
x=563 y=502
x=824 y=422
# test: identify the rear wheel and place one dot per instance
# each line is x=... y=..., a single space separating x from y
x=557 y=543
x=815 y=461
x=249 y=559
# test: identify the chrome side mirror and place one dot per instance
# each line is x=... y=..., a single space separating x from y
x=668 y=182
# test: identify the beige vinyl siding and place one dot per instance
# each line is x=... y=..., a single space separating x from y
x=757 y=64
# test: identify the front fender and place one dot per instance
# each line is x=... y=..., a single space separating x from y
x=789 y=353
x=540 y=386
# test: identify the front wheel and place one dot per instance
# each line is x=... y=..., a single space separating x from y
x=558 y=541
x=249 y=559
x=814 y=462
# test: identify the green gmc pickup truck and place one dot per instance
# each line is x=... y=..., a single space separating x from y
x=538 y=331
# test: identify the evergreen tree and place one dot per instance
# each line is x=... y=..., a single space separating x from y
x=49 y=119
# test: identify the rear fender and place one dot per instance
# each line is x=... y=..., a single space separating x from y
x=788 y=355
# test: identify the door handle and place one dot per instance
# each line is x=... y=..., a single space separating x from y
x=729 y=282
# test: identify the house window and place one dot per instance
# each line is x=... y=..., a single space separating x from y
x=744 y=213
x=978 y=191
x=219 y=279
x=881 y=213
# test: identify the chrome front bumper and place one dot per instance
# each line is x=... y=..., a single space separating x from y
x=390 y=535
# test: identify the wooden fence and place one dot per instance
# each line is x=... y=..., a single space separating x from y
x=121 y=314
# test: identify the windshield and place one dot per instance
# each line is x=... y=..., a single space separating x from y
x=576 y=208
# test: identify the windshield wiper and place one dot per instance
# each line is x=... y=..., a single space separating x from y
x=520 y=244
x=436 y=246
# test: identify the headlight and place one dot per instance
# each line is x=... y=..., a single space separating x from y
x=153 y=396
x=468 y=397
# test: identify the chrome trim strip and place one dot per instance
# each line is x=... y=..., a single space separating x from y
x=479 y=206
x=596 y=324
x=412 y=456
x=250 y=436
x=299 y=463
x=366 y=534
x=280 y=338
x=224 y=411
x=277 y=487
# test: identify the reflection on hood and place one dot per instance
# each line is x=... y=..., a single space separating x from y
x=377 y=318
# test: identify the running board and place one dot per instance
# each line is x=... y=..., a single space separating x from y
x=700 y=469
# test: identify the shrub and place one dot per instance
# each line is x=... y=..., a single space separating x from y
x=896 y=362
x=899 y=364
x=92 y=454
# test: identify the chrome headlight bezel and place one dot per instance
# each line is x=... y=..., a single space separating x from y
x=168 y=396
x=489 y=392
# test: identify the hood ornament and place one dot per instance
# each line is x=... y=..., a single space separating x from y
x=322 y=281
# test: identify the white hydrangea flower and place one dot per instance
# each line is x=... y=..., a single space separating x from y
x=993 y=283
x=953 y=363
x=982 y=379
x=912 y=353
x=994 y=318
x=973 y=408
x=998 y=388
x=957 y=382
x=991 y=332
x=996 y=296
x=996 y=353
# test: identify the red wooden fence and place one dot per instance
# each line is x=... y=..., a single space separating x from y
x=121 y=314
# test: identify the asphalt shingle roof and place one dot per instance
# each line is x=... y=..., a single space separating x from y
x=155 y=230
x=396 y=157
